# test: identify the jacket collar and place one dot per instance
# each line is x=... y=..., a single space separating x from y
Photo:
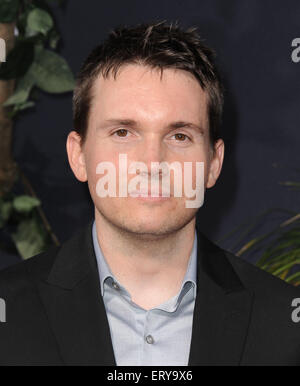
x=72 y=297
x=222 y=309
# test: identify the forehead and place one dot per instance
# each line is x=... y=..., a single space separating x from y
x=143 y=92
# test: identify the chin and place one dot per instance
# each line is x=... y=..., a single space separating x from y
x=145 y=224
x=152 y=226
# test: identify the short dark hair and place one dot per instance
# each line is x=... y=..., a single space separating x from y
x=157 y=45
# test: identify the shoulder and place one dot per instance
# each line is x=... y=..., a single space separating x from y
x=274 y=302
x=258 y=279
x=273 y=331
x=21 y=277
x=17 y=278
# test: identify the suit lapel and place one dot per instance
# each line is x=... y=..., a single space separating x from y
x=74 y=305
x=222 y=309
x=72 y=299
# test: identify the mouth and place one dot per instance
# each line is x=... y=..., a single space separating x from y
x=146 y=196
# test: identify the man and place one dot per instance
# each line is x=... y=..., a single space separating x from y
x=141 y=285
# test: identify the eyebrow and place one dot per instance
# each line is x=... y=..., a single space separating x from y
x=172 y=125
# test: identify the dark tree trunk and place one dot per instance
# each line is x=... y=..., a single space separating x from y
x=7 y=164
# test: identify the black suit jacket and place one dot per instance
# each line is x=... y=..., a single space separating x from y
x=55 y=314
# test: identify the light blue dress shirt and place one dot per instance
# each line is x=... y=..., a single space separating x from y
x=160 y=336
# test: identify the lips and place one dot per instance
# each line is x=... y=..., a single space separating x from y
x=144 y=193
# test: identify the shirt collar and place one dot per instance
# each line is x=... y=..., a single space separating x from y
x=104 y=269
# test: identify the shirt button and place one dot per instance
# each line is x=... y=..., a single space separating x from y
x=149 y=339
x=115 y=285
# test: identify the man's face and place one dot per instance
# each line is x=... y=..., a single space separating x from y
x=150 y=119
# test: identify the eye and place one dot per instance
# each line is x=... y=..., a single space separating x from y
x=180 y=137
x=121 y=133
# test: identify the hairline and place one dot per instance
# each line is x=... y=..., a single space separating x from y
x=107 y=69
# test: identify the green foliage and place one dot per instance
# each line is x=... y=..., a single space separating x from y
x=283 y=254
x=279 y=249
x=19 y=212
x=30 y=237
x=30 y=62
x=52 y=73
x=49 y=72
x=35 y=66
x=25 y=204
x=38 y=20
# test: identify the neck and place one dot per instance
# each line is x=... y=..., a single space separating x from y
x=150 y=267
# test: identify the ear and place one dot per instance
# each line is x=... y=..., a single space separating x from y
x=215 y=163
x=76 y=156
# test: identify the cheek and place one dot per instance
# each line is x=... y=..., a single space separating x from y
x=199 y=155
x=93 y=161
x=91 y=166
x=200 y=174
x=95 y=156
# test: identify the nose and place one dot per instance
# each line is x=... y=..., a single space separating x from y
x=151 y=150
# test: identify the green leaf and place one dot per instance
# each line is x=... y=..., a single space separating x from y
x=19 y=107
x=22 y=91
x=286 y=266
x=38 y=20
x=29 y=238
x=52 y=73
x=8 y=10
x=19 y=96
x=25 y=105
x=24 y=204
x=293 y=277
x=280 y=261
